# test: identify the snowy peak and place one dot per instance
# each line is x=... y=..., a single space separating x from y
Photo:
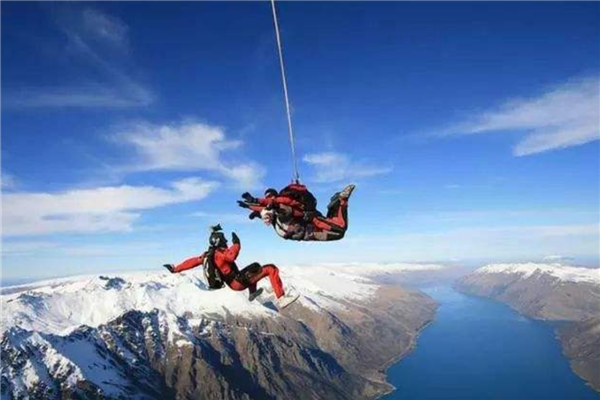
x=166 y=336
x=565 y=273
x=62 y=305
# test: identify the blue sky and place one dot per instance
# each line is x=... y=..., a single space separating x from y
x=471 y=130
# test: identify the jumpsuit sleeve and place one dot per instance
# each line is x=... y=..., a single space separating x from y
x=263 y=201
x=189 y=263
x=231 y=253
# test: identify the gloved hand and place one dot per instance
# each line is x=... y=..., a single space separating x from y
x=254 y=214
x=234 y=238
x=243 y=204
x=249 y=198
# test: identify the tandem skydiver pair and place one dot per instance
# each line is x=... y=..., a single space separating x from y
x=293 y=214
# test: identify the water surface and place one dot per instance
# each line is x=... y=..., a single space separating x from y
x=481 y=349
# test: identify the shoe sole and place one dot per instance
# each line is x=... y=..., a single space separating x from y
x=297 y=296
x=347 y=192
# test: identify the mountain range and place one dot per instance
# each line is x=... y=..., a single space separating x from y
x=162 y=336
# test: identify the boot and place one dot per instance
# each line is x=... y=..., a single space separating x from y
x=170 y=267
x=255 y=294
x=345 y=194
x=286 y=300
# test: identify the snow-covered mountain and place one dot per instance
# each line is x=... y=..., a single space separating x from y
x=565 y=273
x=158 y=336
x=552 y=292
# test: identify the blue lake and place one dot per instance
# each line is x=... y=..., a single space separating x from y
x=481 y=349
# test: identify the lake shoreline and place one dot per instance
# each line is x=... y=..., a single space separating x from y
x=559 y=327
x=479 y=348
x=396 y=359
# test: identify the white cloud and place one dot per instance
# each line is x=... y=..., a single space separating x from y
x=35 y=248
x=188 y=146
x=557 y=258
x=104 y=209
x=89 y=96
x=104 y=27
x=334 y=167
x=29 y=247
x=96 y=44
x=564 y=116
x=216 y=218
x=532 y=241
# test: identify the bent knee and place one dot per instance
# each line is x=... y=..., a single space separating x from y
x=270 y=268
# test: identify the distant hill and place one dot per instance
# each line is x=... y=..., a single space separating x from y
x=551 y=292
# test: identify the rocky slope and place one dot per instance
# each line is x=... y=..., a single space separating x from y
x=551 y=292
x=162 y=336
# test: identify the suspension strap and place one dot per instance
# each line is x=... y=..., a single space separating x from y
x=285 y=93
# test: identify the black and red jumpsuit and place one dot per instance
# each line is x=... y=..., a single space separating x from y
x=225 y=262
x=336 y=219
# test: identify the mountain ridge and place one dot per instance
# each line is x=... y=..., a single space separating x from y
x=335 y=342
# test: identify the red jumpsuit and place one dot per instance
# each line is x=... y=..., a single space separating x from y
x=319 y=222
x=225 y=262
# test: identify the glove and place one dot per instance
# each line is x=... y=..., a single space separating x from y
x=234 y=238
x=249 y=198
x=243 y=204
x=254 y=214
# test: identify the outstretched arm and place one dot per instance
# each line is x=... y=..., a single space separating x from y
x=189 y=263
x=279 y=200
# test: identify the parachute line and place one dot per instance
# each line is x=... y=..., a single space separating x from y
x=285 y=93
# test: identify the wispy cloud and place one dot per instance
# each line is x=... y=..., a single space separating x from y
x=188 y=146
x=97 y=44
x=28 y=247
x=557 y=258
x=566 y=115
x=103 y=209
x=7 y=181
x=104 y=27
x=533 y=241
x=334 y=167
x=35 y=248
x=223 y=217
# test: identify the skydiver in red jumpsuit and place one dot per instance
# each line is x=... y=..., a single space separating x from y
x=293 y=214
x=223 y=258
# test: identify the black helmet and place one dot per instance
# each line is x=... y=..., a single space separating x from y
x=271 y=192
x=217 y=237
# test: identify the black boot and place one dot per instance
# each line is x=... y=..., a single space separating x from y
x=334 y=202
x=170 y=267
x=255 y=294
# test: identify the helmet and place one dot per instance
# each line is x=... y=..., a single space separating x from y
x=217 y=238
x=268 y=216
x=271 y=192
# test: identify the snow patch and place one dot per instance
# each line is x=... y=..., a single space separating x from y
x=566 y=273
x=61 y=306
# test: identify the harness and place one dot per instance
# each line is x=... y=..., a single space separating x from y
x=212 y=274
x=214 y=277
x=301 y=194
x=297 y=231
